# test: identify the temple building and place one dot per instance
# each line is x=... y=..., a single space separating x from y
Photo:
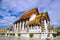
x=33 y=22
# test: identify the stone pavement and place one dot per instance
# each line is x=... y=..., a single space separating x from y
x=20 y=38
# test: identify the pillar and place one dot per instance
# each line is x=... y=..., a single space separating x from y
x=37 y=27
x=16 y=30
x=15 y=27
x=31 y=26
x=23 y=25
x=45 y=25
x=20 y=26
x=40 y=29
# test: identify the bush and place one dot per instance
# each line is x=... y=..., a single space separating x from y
x=19 y=34
x=7 y=33
x=47 y=39
x=57 y=34
x=13 y=34
x=54 y=35
x=3 y=33
x=31 y=35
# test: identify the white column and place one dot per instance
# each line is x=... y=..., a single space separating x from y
x=16 y=30
x=45 y=25
x=26 y=21
x=20 y=26
x=15 y=27
x=40 y=29
x=31 y=26
x=23 y=26
x=37 y=27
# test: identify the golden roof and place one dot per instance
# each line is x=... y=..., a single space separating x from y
x=34 y=22
x=37 y=21
x=38 y=16
x=2 y=31
x=45 y=15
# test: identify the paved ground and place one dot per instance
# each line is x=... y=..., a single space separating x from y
x=57 y=38
x=15 y=38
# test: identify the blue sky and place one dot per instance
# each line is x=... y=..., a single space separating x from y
x=11 y=10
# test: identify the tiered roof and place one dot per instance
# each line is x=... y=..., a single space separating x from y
x=27 y=14
x=38 y=16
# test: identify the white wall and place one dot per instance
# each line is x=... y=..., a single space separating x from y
x=32 y=17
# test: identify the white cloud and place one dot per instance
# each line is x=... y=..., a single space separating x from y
x=20 y=5
x=16 y=6
x=6 y=21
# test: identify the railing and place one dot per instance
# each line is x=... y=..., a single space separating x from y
x=2 y=33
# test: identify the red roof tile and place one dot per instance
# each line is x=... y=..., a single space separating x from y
x=27 y=14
